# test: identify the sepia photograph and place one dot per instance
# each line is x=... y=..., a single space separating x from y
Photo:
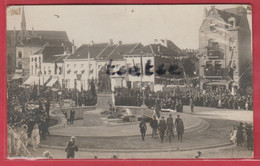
x=129 y=81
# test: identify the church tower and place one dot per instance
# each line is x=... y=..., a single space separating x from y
x=23 y=33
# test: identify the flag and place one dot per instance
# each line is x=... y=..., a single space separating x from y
x=141 y=61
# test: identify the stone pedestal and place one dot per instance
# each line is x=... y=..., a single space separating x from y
x=103 y=100
x=91 y=119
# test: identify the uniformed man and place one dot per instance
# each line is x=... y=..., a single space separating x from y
x=71 y=148
x=179 y=127
x=143 y=128
x=154 y=125
x=162 y=128
x=170 y=127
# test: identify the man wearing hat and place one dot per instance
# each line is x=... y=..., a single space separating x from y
x=71 y=148
x=170 y=127
x=162 y=128
x=179 y=127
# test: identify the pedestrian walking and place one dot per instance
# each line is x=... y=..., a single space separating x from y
x=162 y=128
x=179 y=127
x=154 y=125
x=71 y=148
x=170 y=127
x=143 y=129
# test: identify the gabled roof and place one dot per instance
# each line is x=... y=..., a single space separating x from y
x=237 y=13
x=48 y=51
x=39 y=38
x=156 y=49
x=56 y=58
x=93 y=50
x=123 y=49
x=104 y=51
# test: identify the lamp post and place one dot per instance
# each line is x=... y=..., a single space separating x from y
x=143 y=106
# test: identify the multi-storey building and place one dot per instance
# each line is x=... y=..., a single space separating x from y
x=21 y=44
x=85 y=64
x=225 y=48
x=47 y=66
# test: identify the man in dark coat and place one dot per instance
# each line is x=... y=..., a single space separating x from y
x=250 y=138
x=240 y=135
x=170 y=127
x=143 y=128
x=72 y=115
x=162 y=128
x=179 y=127
x=71 y=148
x=154 y=125
x=47 y=108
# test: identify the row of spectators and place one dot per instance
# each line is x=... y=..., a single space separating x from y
x=242 y=135
x=220 y=98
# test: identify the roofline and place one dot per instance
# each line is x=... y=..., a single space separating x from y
x=112 y=51
x=102 y=51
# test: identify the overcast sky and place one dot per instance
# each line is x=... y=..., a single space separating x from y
x=129 y=23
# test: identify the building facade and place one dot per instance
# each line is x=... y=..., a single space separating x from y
x=84 y=65
x=225 y=49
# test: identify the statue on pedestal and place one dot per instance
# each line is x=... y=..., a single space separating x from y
x=104 y=81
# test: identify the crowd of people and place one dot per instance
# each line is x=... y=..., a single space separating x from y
x=219 y=98
x=28 y=119
x=242 y=135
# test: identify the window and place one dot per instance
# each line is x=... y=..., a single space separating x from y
x=232 y=22
x=20 y=65
x=68 y=65
x=49 y=70
x=75 y=66
x=208 y=64
x=218 y=65
x=20 y=54
x=60 y=70
x=232 y=44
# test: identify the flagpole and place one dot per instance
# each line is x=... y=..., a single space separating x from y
x=143 y=106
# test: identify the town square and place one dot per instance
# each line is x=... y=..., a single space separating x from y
x=129 y=82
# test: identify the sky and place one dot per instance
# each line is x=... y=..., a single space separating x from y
x=126 y=23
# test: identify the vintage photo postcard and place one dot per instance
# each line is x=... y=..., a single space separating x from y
x=129 y=81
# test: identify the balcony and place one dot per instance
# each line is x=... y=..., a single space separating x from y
x=214 y=52
x=214 y=73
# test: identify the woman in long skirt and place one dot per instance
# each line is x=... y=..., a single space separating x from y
x=35 y=137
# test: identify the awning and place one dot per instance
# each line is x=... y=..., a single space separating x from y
x=52 y=81
x=16 y=76
x=34 y=80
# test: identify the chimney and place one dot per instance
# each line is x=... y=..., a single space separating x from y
x=92 y=42
x=120 y=42
x=67 y=51
x=155 y=41
x=111 y=41
x=159 y=49
x=73 y=47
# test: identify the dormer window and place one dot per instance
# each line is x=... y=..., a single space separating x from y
x=232 y=22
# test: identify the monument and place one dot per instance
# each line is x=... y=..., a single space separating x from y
x=104 y=100
x=104 y=93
